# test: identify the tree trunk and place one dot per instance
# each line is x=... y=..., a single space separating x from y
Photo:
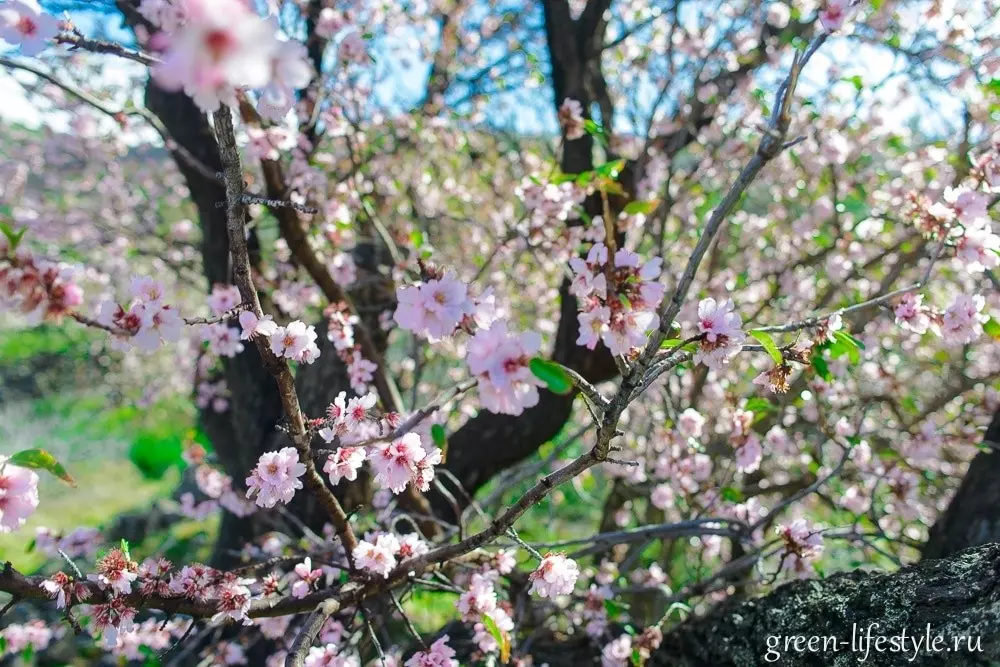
x=957 y=597
x=973 y=516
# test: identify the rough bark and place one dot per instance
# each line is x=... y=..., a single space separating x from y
x=957 y=597
x=973 y=516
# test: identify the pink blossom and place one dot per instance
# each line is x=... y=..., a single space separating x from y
x=344 y=464
x=433 y=309
x=159 y=324
x=722 y=332
x=223 y=298
x=353 y=48
x=480 y=597
x=969 y=206
x=593 y=326
x=116 y=571
x=979 y=248
x=438 y=655
x=963 y=319
x=911 y=314
x=233 y=602
x=297 y=341
x=23 y=23
x=222 y=46
x=328 y=656
x=223 y=340
x=396 y=463
x=18 y=495
x=556 y=575
x=803 y=543
x=834 y=14
x=571 y=119
x=412 y=545
x=499 y=360
x=195 y=581
x=276 y=477
x=330 y=22
x=484 y=639
x=252 y=326
x=505 y=561
x=343 y=269
x=618 y=653
x=65 y=590
x=749 y=454
x=662 y=496
x=360 y=371
x=113 y=619
x=306 y=578
x=378 y=557
x=690 y=423
x=34 y=634
x=146 y=289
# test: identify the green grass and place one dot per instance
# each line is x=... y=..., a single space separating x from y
x=105 y=489
x=20 y=345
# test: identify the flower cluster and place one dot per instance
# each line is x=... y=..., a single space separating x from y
x=215 y=47
x=499 y=360
x=377 y=554
x=18 y=495
x=959 y=324
x=35 y=287
x=435 y=308
x=618 y=301
x=34 y=634
x=721 y=329
x=147 y=322
x=276 y=477
x=555 y=575
x=340 y=331
x=404 y=461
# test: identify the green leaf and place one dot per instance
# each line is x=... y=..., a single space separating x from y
x=856 y=80
x=732 y=494
x=682 y=610
x=768 y=343
x=610 y=169
x=644 y=207
x=759 y=406
x=14 y=237
x=125 y=549
x=848 y=339
x=595 y=130
x=41 y=460
x=552 y=374
x=992 y=328
x=417 y=238
x=438 y=435
x=822 y=369
x=615 y=609
x=503 y=641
